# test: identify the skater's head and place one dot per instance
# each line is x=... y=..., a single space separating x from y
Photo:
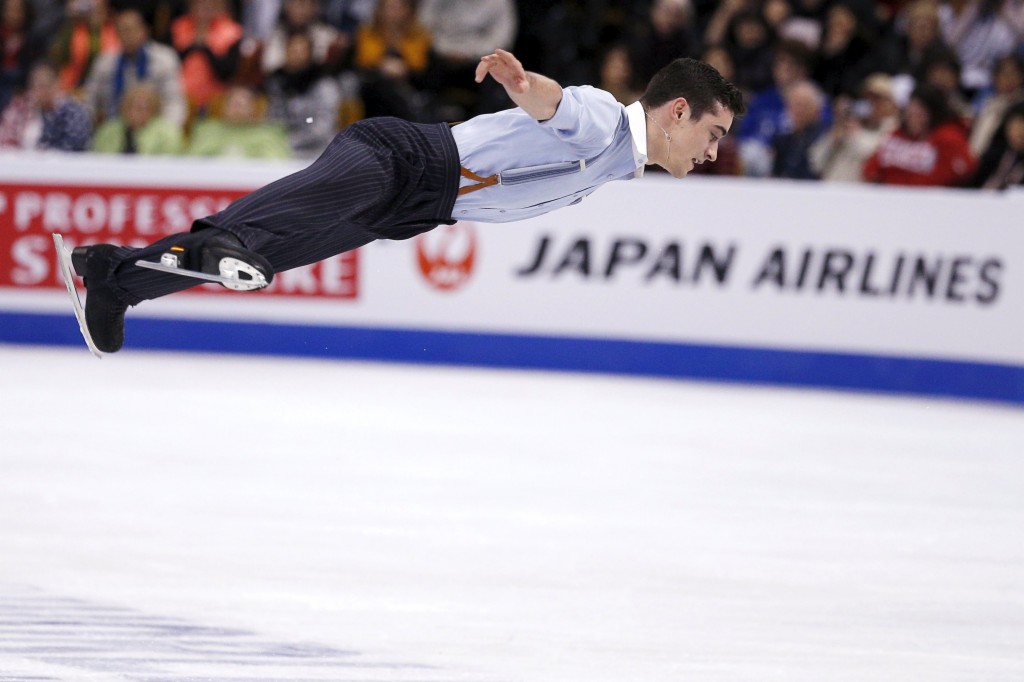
x=703 y=87
x=690 y=107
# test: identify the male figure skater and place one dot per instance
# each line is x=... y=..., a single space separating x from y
x=384 y=178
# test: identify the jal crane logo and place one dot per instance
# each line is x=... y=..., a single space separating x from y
x=446 y=255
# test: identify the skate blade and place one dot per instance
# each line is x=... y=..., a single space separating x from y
x=66 y=273
x=231 y=270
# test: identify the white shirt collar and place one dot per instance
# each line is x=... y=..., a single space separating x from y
x=637 y=118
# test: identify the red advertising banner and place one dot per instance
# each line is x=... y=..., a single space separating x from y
x=87 y=214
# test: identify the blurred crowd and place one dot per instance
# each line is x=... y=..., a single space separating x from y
x=910 y=93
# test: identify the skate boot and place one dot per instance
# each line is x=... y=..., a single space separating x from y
x=218 y=256
x=224 y=254
x=104 y=310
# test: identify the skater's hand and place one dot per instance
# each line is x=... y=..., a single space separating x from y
x=535 y=94
x=506 y=69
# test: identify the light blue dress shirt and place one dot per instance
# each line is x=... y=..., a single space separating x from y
x=544 y=165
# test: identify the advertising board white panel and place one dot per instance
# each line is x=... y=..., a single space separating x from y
x=850 y=269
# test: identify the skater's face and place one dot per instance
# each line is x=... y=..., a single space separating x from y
x=682 y=141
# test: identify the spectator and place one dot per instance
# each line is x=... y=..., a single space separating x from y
x=727 y=162
x=466 y=29
x=667 y=34
x=87 y=31
x=616 y=74
x=463 y=31
x=805 y=103
x=303 y=16
x=905 y=53
x=1002 y=165
x=766 y=116
x=842 y=60
x=749 y=41
x=565 y=39
x=302 y=98
x=157 y=15
x=240 y=131
x=1007 y=90
x=942 y=69
x=858 y=128
x=44 y=117
x=348 y=15
x=806 y=23
x=140 y=60
x=980 y=34
x=17 y=49
x=392 y=53
x=928 y=149
x=776 y=13
x=140 y=128
x=47 y=15
x=1012 y=12
x=207 y=40
x=258 y=18
x=722 y=18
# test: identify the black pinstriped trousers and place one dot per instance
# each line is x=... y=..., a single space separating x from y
x=380 y=178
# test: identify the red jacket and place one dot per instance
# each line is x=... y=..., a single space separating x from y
x=942 y=159
x=207 y=64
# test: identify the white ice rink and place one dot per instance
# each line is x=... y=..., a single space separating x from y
x=173 y=517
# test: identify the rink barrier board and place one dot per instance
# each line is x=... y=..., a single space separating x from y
x=871 y=373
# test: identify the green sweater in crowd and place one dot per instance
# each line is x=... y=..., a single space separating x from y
x=239 y=140
x=159 y=136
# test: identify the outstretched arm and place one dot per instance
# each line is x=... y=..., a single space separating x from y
x=535 y=94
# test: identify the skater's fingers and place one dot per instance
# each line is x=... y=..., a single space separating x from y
x=507 y=57
x=509 y=61
x=486 y=62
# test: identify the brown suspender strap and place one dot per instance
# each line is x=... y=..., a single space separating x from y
x=480 y=180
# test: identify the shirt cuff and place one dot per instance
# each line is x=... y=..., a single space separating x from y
x=566 y=115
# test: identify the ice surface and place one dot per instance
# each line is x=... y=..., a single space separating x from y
x=168 y=517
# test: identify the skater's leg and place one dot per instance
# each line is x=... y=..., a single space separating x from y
x=199 y=250
x=104 y=309
x=376 y=179
x=303 y=218
x=310 y=215
x=113 y=281
x=320 y=211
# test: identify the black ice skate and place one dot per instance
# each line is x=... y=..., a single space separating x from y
x=221 y=258
x=102 y=319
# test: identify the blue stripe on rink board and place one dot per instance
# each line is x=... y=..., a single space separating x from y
x=952 y=378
